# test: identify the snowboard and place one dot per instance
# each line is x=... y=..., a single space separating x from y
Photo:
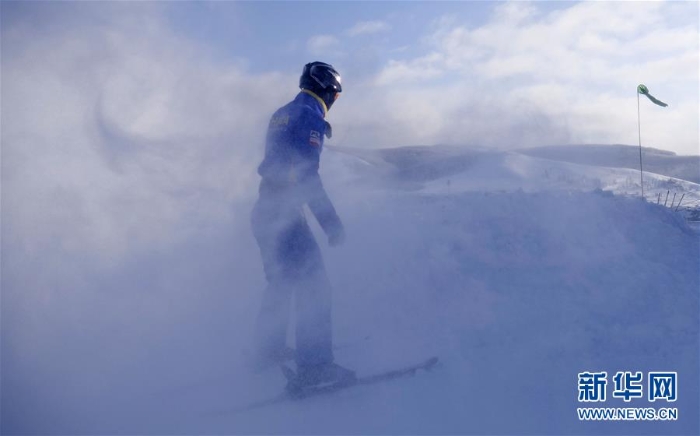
x=300 y=393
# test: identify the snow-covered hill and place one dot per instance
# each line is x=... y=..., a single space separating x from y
x=457 y=169
x=623 y=156
x=519 y=272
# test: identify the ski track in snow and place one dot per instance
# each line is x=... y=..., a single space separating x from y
x=519 y=273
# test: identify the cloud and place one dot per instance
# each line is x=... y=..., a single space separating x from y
x=322 y=44
x=585 y=38
x=368 y=28
x=589 y=55
x=423 y=68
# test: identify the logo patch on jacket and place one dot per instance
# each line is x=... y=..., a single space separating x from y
x=315 y=138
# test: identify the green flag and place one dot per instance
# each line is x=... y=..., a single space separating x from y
x=642 y=89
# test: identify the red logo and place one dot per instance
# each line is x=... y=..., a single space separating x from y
x=315 y=138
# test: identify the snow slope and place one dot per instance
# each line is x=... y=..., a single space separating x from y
x=458 y=169
x=623 y=156
x=519 y=272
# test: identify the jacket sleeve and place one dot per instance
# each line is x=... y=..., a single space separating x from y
x=310 y=145
x=322 y=208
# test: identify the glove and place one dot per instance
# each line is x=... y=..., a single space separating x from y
x=336 y=236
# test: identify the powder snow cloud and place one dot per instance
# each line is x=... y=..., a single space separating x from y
x=118 y=133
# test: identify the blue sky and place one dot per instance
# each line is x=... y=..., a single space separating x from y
x=362 y=36
x=274 y=35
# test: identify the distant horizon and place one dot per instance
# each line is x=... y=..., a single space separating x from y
x=636 y=147
x=644 y=147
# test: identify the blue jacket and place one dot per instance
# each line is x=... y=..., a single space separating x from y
x=293 y=148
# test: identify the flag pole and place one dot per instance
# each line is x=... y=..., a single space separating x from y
x=639 y=128
x=642 y=89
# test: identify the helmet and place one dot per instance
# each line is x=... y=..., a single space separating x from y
x=321 y=79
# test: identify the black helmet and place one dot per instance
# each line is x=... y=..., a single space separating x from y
x=321 y=79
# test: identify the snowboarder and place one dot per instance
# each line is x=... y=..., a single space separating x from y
x=291 y=257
